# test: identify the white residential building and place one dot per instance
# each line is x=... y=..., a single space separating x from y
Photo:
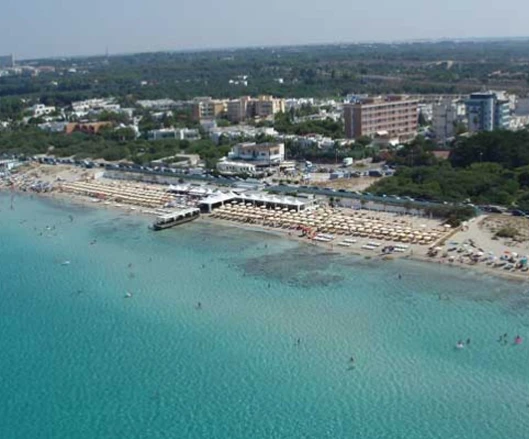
x=298 y=102
x=53 y=127
x=83 y=107
x=426 y=110
x=445 y=116
x=174 y=133
x=310 y=140
x=39 y=110
x=263 y=154
x=228 y=167
x=160 y=104
x=240 y=131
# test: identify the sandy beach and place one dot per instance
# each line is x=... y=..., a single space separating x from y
x=376 y=235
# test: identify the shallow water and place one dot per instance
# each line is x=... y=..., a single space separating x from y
x=79 y=360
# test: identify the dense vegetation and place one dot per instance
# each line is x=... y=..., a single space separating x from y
x=489 y=168
x=317 y=71
x=108 y=145
x=283 y=123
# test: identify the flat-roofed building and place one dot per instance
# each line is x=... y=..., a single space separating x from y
x=174 y=133
x=268 y=106
x=488 y=111
x=237 y=109
x=245 y=107
x=394 y=115
x=263 y=154
x=229 y=167
x=88 y=128
x=207 y=108
x=444 y=120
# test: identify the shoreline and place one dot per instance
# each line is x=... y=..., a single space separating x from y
x=359 y=252
x=290 y=234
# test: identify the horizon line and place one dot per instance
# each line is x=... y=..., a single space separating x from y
x=279 y=46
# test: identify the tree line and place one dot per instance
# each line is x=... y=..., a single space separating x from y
x=488 y=168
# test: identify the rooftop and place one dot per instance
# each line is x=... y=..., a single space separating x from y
x=258 y=146
x=177 y=213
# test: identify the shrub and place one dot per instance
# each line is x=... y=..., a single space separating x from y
x=507 y=232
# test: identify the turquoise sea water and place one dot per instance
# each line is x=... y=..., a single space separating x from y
x=78 y=360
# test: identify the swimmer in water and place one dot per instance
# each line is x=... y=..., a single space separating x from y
x=468 y=341
x=199 y=305
x=460 y=344
x=400 y=276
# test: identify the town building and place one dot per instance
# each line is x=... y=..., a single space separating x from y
x=207 y=108
x=520 y=116
x=246 y=107
x=445 y=117
x=237 y=109
x=88 y=128
x=522 y=106
x=108 y=104
x=39 y=110
x=229 y=167
x=312 y=140
x=160 y=104
x=426 y=111
x=393 y=115
x=174 y=133
x=297 y=103
x=240 y=133
x=487 y=111
x=53 y=127
x=266 y=106
x=262 y=154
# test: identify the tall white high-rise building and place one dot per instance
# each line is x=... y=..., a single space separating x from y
x=445 y=116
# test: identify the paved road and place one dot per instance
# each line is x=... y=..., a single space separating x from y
x=338 y=194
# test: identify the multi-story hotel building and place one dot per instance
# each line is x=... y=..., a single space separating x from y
x=207 y=108
x=246 y=107
x=268 y=106
x=237 y=109
x=487 y=111
x=390 y=115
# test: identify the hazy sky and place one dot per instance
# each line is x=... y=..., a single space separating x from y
x=38 y=28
